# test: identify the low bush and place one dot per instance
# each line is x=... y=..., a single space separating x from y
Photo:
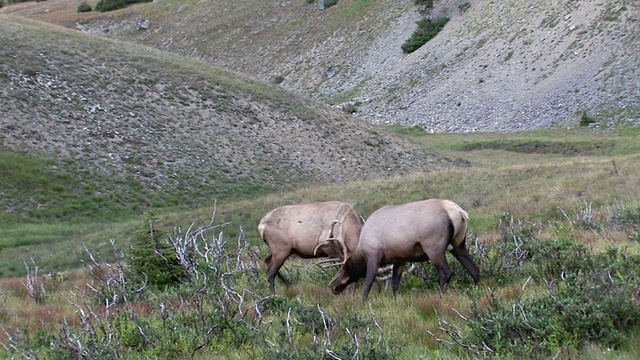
x=539 y=298
x=585 y=119
x=222 y=307
x=581 y=297
x=330 y=3
x=109 y=5
x=84 y=7
x=426 y=3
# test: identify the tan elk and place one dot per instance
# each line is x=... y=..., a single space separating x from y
x=412 y=232
x=311 y=230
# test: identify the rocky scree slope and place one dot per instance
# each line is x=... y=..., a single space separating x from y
x=504 y=65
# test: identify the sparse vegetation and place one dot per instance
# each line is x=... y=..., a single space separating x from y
x=351 y=107
x=508 y=56
x=427 y=3
x=278 y=79
x=424 y=5
x=427 y=30
x=544 y=265
x=566 y=296
x=585 y=119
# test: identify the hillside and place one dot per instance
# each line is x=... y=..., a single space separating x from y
x=497 y=65
x=109 y=115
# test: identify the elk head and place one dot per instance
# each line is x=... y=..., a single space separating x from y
x=351 y=271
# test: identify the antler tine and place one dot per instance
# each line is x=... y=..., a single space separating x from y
x=330 y=262
x=345 y=251
x=317 y=247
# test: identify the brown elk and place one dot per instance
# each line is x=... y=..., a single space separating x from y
x=412 y=232
x=311 y=230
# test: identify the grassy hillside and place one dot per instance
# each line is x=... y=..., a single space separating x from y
x=110 y=124
x=95 y=130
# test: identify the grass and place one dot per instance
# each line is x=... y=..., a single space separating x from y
x=406 y=321
x=533 y=185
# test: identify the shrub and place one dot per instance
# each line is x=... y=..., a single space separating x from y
x=585 y=119
x=425 y=3
x=84 y=7
x=427 y=30
x=589 y=298
x=576 y=310
x=109 y=5
x=154 y=259
x=351 y=108
x=330 y=3
x=464 y=7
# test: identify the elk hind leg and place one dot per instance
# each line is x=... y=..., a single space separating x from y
x=274 y=263
x=444 y=272
x=464 y=258
x=396 y=274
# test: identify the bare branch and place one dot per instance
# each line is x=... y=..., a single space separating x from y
x=289 y=328
x=34 y=284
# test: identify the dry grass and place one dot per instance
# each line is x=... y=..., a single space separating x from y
x=20 y=312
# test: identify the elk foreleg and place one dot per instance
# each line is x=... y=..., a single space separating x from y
x=373 y=263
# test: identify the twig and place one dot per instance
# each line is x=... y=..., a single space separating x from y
x=289 y=328
x=325 y=322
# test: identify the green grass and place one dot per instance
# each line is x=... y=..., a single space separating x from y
x=569 y=197
x=534 y=185
x=622 y=137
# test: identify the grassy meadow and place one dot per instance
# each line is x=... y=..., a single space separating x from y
x=554 y=226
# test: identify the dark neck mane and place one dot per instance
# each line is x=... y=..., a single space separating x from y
x=357 y=266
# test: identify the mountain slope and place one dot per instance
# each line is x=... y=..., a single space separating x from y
x=497 y=65
x=152 y=120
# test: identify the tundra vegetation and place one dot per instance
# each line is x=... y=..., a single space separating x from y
x=554 y=227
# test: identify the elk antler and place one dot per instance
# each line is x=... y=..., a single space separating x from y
x=332 y=238
x=335 y=261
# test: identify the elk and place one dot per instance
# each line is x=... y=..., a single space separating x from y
x=310 y=230
x=413 y=232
